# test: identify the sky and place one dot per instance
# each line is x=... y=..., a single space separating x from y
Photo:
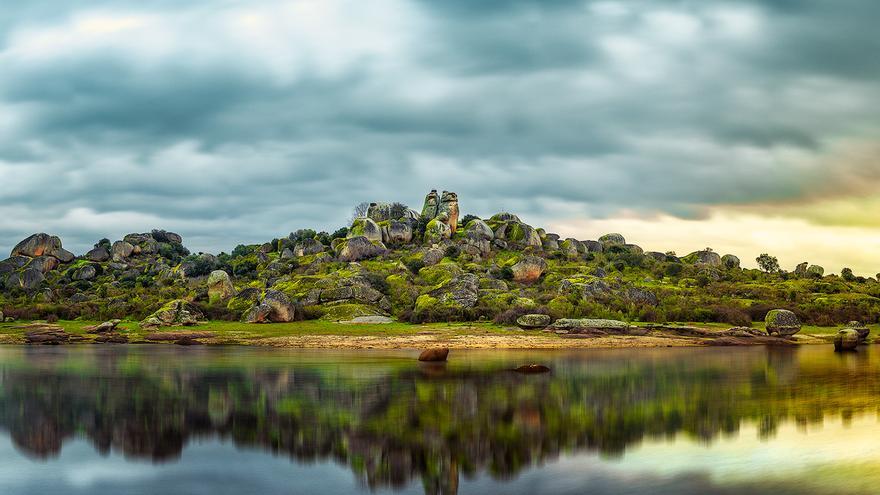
x=748 y=126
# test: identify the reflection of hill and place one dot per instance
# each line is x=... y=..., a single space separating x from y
x=432 y=425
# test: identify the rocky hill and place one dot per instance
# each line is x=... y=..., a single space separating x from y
x=417 y=266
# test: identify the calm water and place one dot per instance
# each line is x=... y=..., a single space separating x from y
x=169 y=420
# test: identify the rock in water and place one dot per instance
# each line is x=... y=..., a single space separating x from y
x=220 y=286
x=434 y=355
x=531 y=369
x=846 y=340
x=863 y=330
x=533 y=321
x=529 y=269
x=782 y=323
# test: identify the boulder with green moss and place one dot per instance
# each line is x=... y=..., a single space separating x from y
x=359 y=248
x=174 y=313
x=816 y=271
x=588 y=324
x=846 y=340
x=529 y=269
x=307 y=247
x=613 y=239
x=274 y=307
x=448 y=210
x=220 y=286
x=533 y=321
x=782 y=323
x=365 y=227
x=730 y=262
x=437 y=231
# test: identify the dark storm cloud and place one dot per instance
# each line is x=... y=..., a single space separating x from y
x=242 y=121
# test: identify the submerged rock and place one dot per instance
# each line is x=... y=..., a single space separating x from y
x=532 y=369
x=846 y=340
x=434 y=355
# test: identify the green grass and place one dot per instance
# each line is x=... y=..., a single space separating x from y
x=242 y=333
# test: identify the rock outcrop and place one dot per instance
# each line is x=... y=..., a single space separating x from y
x=274 y=307
x=42 y=245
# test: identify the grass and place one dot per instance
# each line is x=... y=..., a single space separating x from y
x=242 y=333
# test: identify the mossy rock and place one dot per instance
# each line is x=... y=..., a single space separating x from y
x=348 y=312
x=782 y=322
x=440 y=274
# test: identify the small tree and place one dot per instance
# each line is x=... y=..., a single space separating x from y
x=359 y=211
x=769 y=264
x=847 y=274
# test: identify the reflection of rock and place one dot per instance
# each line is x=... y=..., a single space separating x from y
x=532 y=369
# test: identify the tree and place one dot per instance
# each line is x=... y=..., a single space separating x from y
x=847 y=274
x=359 y=211
x=769 y=264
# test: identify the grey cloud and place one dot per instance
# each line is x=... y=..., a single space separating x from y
x=515 y=105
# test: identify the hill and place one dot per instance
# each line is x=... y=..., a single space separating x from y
x=431 y=265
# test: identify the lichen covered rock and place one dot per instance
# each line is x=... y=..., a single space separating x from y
x=359 y=248
x=533 y=321
x=365 y=227
x=846 y=340
x=782 y=323
x=612 y=239
x=529 y=269
x=174 y=313
x=220 y=286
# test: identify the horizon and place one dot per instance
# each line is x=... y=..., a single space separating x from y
x=746 y=126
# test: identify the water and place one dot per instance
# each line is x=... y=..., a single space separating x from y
x=170 y=420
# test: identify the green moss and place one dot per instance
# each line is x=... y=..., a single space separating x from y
x=439 y=274
x=347 y=312
x=426 y=303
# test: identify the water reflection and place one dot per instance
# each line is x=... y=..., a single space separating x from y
x=393 y=421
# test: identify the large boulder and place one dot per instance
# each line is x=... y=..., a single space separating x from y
x=846 y=340
x=460 y=292
x=434 y=355
x=85 y=272
x=167 y=237
x=437 y=231
x=174 y=313
x=782 y=323
x=572 y=247
x=730 y=261
x=359 y=248
x=431 y=205
x=816 y=271
x=397 y=232
x=220 y=286
x=44 y=263
x=308 y=247
x=529 y=269
x=98 y=254
x=861 y=328
x=28 y=279
x=121 y=250
x=589 y=324
x=365 y=227
x=42 y=245
x=14 y=263
x=274 y=307
x=612 y=239
x=518 y=234
x=142 y=243
x=448 y=210
x=705 y=257
x=480 y=229
x=533 y=321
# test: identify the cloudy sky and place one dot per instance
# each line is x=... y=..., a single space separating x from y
x=749 y=126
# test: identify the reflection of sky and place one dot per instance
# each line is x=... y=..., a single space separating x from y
x=828 y=459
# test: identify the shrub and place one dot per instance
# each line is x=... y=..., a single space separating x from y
x=414 y=266
x=467 y=219
x=242 y=250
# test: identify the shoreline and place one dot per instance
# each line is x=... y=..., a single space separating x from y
x=326 y=335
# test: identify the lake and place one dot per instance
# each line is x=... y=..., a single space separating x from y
x=234 y=420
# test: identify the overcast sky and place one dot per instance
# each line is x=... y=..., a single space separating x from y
x=748 y=126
